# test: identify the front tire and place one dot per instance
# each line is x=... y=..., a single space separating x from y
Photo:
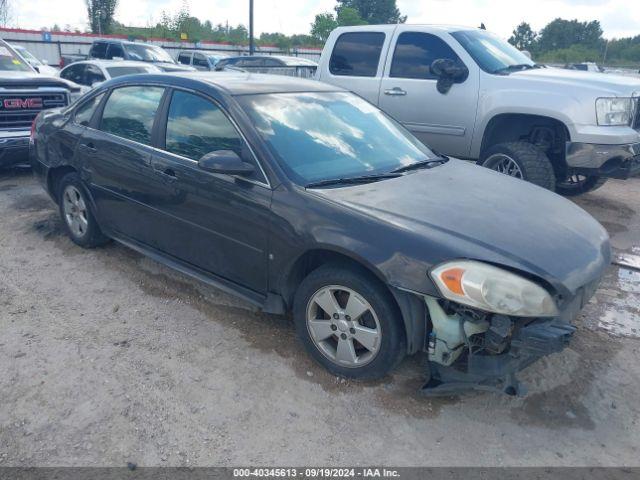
x=75 y=210
x=521 y=160
x=349 y=323
x=578 y=184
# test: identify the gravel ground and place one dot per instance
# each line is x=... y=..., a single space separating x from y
x=108 y=357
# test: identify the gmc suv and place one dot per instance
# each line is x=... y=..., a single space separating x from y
x=23 y=95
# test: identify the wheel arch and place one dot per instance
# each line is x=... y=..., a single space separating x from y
x=54 y=176
x=410 y=306
x=548 y=133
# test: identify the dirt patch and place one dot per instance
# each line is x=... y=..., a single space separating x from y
x=32 y=203
x=49 y=227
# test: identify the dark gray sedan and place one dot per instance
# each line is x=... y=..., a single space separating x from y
x=299 y=196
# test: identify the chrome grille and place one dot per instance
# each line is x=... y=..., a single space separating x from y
x=22 y=116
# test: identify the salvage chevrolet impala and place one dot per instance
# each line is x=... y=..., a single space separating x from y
x=300 y=196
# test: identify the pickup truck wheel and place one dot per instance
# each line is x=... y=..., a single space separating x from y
x=520 y=160
x=348 y=322
x=579 y=184
x=76 y=214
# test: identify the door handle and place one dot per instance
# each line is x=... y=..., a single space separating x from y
x=395 y=92
x=168 y=174
x=89 y=147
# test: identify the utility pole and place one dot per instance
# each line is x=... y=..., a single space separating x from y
x=251 y=44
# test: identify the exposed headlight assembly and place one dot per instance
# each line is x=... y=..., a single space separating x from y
x=492 y=289
x=615 y=111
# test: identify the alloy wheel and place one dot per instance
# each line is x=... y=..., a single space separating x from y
x=343 y=326
x=75 y=211
x=503 y=163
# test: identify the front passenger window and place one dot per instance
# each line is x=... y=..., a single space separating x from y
x=130 y=111
x=415 y=52
x=196 y=126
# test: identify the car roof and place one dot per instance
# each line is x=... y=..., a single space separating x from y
x=205 y=52
x=439 y=27
x=245 y=83
x=114 y=63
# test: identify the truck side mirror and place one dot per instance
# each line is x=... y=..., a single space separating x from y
x=448 y=72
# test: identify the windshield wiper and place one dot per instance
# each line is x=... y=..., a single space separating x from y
x=352 y=180
x=519 y=66
x=429 y=163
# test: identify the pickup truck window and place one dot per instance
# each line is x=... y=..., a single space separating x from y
x=415 y=52
x=114 y=50
x=199 y=60
x=147 y=53
x=130 y=111
x=98 y=50
x=357 y=54
x=196 y=126
x=491 y=53
x=319 y=136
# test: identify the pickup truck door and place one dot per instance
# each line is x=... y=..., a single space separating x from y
x=408 y=91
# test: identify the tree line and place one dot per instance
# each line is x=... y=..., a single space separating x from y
x=572 y=41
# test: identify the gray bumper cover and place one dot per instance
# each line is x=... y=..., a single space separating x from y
x=615 y=161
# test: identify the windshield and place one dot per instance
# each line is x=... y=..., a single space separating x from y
x=147 y=53
x=27 y=55
x=322 y=136
x=491 y=53
x=10 y=61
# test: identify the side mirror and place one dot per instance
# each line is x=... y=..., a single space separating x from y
x=448 y=73
x=225 y=161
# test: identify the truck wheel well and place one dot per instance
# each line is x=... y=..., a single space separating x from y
x=53 y=179
x=549 y=134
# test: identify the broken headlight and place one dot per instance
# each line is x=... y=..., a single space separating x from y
x=492 y=289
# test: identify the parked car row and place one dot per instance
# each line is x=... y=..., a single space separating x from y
x=379 y=245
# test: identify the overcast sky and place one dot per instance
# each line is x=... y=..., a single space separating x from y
x=618 y=17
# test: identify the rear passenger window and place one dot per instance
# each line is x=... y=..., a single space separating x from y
x=357 y=54
x=184 y=58
x=99 y=50
x=129 y=112
x=114 y=50
x=196 y=126
x=86 y=110
x=415 y=52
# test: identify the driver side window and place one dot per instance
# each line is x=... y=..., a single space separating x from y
x=414 y=54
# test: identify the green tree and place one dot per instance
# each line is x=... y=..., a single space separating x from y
x=523 y=38
x=374 y=11
x=562 y=34
x=4 y=12
x=322 y=26
x=347 y=16
x=100 y=14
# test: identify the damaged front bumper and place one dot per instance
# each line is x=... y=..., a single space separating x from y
x=612 y=161
x=498 y=372
x=472 y=350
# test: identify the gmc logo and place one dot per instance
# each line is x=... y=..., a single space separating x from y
x=22 y=103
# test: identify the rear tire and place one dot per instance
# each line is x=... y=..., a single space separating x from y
x=76 y=214
x=578 y=184
x=520 y=160
x=348 y=322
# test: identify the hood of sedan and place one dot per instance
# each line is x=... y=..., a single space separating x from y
x=487 y=216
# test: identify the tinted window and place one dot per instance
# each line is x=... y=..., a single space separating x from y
x=93 y=75
x=184 y=58
x=195 y=127
x=75 y=73
x=86 y=110
x=415 y=52
x=115 y=50
x=99 y=50
x=272 y=62
x=250 y=62
x=357 y=54
x=199 y=60
x=129 y=112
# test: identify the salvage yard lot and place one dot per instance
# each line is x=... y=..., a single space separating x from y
x=108 y=357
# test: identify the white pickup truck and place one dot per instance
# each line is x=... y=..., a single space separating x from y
x=469 y=94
